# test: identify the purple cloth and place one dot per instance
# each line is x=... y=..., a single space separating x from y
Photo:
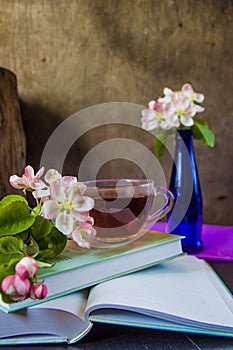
x=217 y=241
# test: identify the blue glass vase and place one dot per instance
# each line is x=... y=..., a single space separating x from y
x=186 y=218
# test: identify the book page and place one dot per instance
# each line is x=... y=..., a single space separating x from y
x=178 y=291
x=74 y=303
x=61 y=317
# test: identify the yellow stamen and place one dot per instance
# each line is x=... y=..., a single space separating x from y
x=180 y=112
x=159 y=117
x=67 y=205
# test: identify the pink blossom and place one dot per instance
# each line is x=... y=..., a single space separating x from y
x=26 y=268
x=44 y=193
x=15 y=288
x=18 y=182
x=153 y=105
x=67 y=205
x=169 y=96
x=159 y=118
x=187 y=90
x=174 y=109
x=38 y=291
x=52 y=175
x=41 y=193
x=183 y=109
x=149 y=119
x=90 y=221
x=28 y=180
x=84 y=231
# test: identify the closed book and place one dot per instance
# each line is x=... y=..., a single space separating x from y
x=78 y=268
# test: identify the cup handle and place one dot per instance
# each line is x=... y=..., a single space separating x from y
x=165 y=209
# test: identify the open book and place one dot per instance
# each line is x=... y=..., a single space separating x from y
x=183 y=294
x=78 y=268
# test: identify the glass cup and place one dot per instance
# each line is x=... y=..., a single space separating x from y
x=123 y=208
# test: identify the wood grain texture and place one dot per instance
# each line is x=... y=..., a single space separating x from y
x=13 y=143
x=72 y=54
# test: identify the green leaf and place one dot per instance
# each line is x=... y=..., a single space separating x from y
x=15 y=218
x=10 y=199
x=6 y=299
x=36 y=210
x=9 y=244
x=159 y=143
x=24 y=236
x=203 y=132
x=162 y=139
x=159 y=149
x=8 y=262
x=32 y=249
x=10 y=254
x=196 y=133
x=41 y=227
x=43 y=264
x=52 y=245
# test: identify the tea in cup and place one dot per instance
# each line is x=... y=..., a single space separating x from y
x=122 y=208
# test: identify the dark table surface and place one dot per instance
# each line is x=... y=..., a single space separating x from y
x=103 y=337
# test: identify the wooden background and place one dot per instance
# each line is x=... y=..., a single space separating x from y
x=71 y=54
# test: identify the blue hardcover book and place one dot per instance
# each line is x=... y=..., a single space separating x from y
x=78 y=268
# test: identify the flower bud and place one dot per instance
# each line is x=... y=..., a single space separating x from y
x=15 y=288
x=153 y=105
x=26 y=268
x=38 y=291
x=8 y=285
x=22 y=286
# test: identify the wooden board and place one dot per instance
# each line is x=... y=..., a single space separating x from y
x=12 y=137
